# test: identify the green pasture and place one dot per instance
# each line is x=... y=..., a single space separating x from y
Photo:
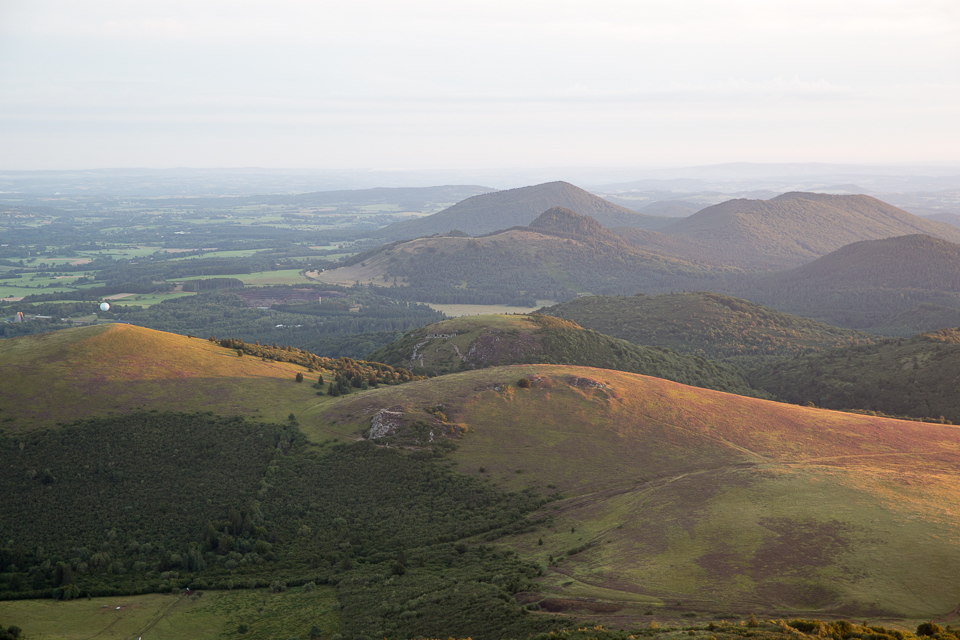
x=121 y=252
x=148 y=299
x=212 y=615
x=457 y=310
x=14 y=291
x=239 y=253
x=282 y=276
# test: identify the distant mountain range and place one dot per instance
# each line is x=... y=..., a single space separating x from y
x=517 y=207
x=786 y=231
x=559 y=255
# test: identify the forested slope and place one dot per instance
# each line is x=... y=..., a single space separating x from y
x=897 y=286
x=706 y=324
x=917 y=377
x=473 y=342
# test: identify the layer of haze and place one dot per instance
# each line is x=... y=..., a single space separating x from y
x=469 y=84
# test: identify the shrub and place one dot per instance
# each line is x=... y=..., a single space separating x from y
x=523 y=383
x=929 y=629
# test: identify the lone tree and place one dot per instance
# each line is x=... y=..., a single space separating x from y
x=299 y=377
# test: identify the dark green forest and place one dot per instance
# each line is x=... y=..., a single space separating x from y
x=897 y=286
x=330 y=329
x=564 y=342
x=707 y=324
x=158 y=502
x=916 y=377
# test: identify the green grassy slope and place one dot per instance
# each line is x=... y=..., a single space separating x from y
x=917 y=377
x=503 y=209
x=472 y=342
x=116 y=368
x=899 y=286
x=706 y=324
x=683 y=495
x=786 y=231
x=173 y=616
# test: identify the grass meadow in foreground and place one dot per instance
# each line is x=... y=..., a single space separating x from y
x=210 y=616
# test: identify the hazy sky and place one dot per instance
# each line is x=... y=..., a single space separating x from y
x=523 y=83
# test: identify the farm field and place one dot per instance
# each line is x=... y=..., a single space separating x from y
x=212 y=615
x=457 y=310
x=146 y=299
x=244 y=253
x=283 y=276
x=14 y=291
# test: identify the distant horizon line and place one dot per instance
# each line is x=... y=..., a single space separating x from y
x=743 y=163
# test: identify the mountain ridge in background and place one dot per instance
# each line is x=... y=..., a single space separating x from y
x=490 y=212
x=786 y=231
x=565 y=254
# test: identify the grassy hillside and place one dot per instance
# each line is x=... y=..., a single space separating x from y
x=516 y=207
x=212 y=615
x=554 y=259
x=116 y=368
x=473 y=342
x=897 y=286
x=917 y=377
x=786 y=231
x=706 y=324
x=686 y=499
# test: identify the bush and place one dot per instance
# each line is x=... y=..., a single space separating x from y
x=523 y=383
x=929 y=629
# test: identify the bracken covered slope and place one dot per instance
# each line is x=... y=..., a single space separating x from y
x=682 y=495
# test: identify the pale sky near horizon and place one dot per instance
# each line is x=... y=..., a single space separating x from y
x=420 y=84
